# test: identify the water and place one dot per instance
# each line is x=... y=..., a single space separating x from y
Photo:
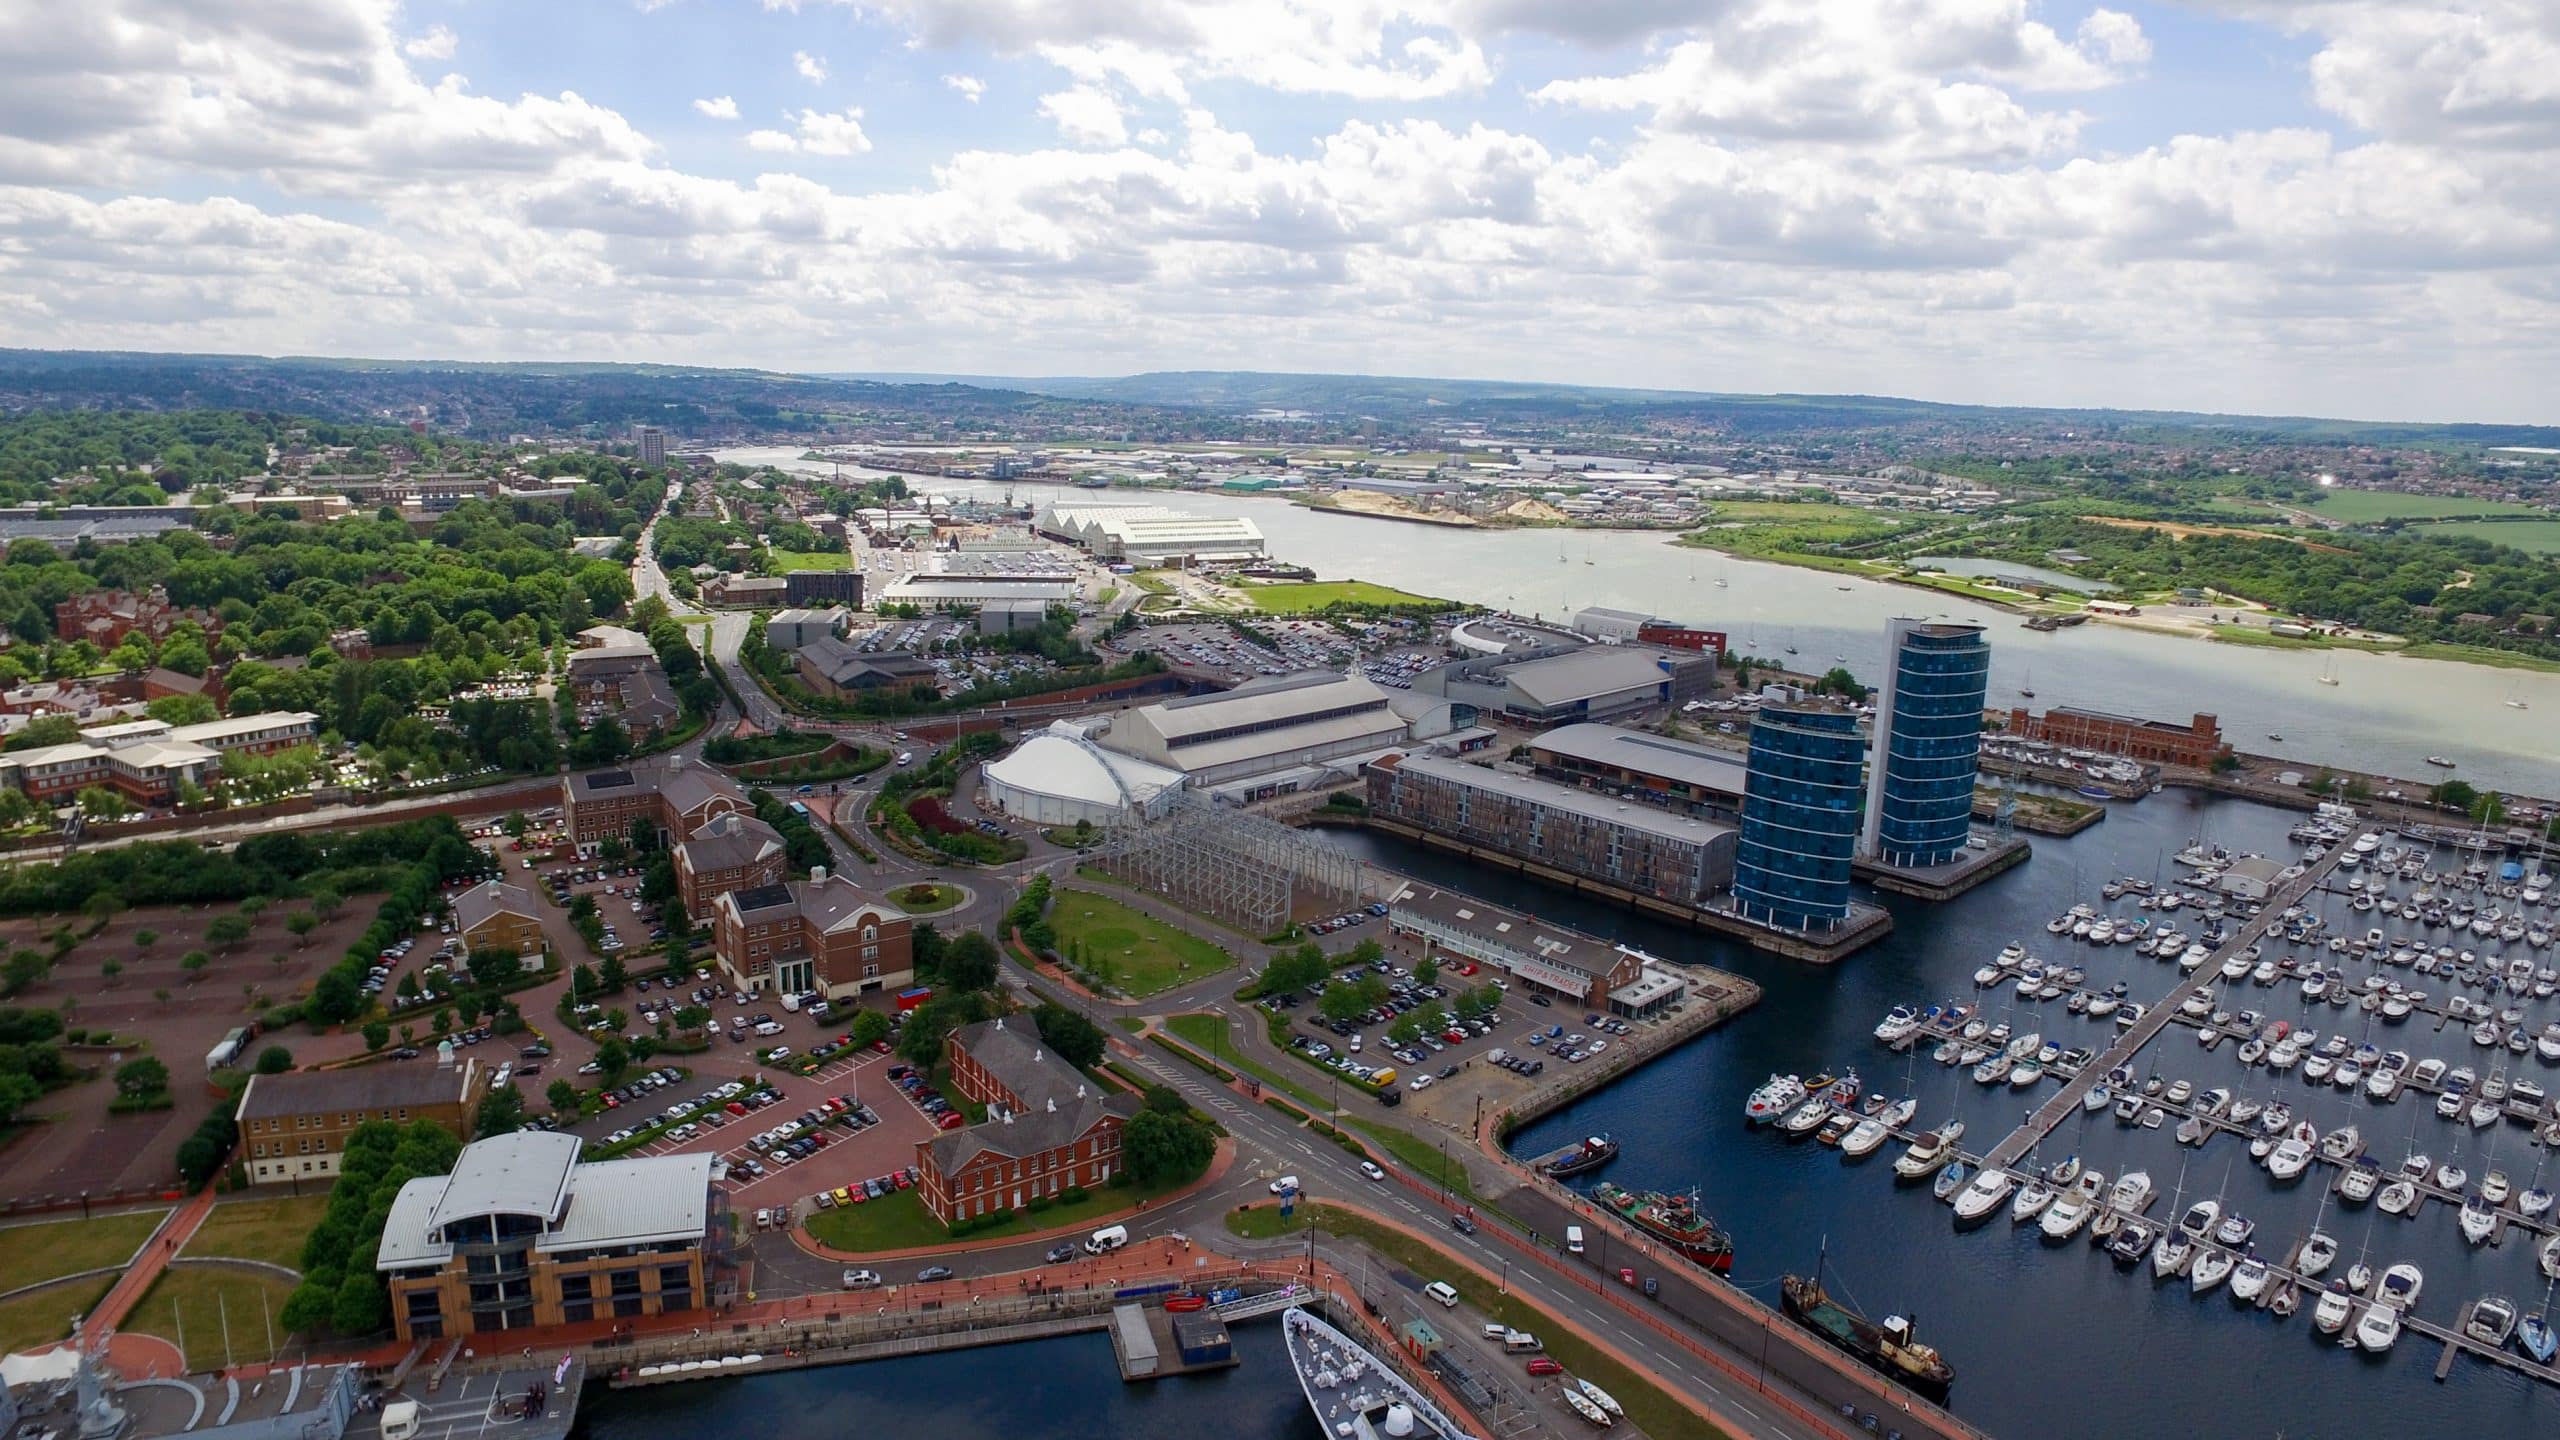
x=1061 y=1389
x=2387 y=712
x=2039 y=1331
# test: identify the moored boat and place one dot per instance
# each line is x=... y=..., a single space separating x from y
x=1594 y=1152
x=1673 y=1219
x=1352 y=1393
x=1888 y=1348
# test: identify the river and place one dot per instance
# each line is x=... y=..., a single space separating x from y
x=2050 y=1338
x=2387 y=713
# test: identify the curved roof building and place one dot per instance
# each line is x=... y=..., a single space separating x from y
x=1059 y=777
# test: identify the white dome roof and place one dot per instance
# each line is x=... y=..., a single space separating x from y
x=1068 y=766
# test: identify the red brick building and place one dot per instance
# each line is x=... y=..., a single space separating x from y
x=676 y=799
x=2196 y=744
x=822 y=934
x=1049 y=1126
x=105 y=617
x=732 y=852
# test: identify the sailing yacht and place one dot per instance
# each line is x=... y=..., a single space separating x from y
x=2329 y=672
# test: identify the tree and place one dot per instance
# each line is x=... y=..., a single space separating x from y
x=613 y=1057
x=442 y=1021
x=376 y=1036
x=2454 y=795
x=1347 y=999
x=252 y=908
x=22 y=970
x=870 y=1027
x=1426 y=970
x=920 y=1042
x=145 y=938
x=970 y=962
x=15 y=809
x=516 y=825
x=194 y=963
x=361 y=1307
x=1069 y=1035
x=1164 y=1149
x=1303 y=968
x=1406 y=1030
x=2490 y=809
x=409 y=989
x=17 y=1092
x=490 y=968
x=501 y=1112
x=1479 y=1002
x=582 y=980
x=100 y=803
x=102 y=905
x=225 y=932
x=138 y=1078
x=563 y=1096
x=335 y=997
x=325 y=902
x=274 y=1060
x=692 y=1017
x=643 y=835
x=1838 y=681
x=612 y=973
x=301 y=923
x=110 y=968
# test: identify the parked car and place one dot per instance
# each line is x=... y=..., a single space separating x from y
x=933 y=1272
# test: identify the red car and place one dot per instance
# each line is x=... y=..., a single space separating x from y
x=952 y=1120
x=1544 y=1366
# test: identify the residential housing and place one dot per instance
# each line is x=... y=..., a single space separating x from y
x=522 y=1234
x=294 y=1126
x=2197 y=744
x=105 y=617
x=498 y=916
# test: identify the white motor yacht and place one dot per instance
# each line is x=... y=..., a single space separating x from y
x=2212 y=1267
x=1865 y=1137
x=2289 y=1159
x=2319 y=1250
x=2479 y=1221
x=2335 y=1308
x=1898 y=1024
x=2549 y=1255
x=1987 y=1192
x=2378 y=1329
x=2400 y=1286
x=2249 y=1279
x=1929 y=1151
x=2032 y=1199
x=2132 y=1194
x=2200 y=1219
x=1807 y=1117
x=2396 y=1198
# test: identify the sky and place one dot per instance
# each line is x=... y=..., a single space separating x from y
x=2331 y=207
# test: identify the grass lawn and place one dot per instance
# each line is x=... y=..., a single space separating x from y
x=2480 y=655
x=32 y=1320
x=925 y=898
x=1308 y=597
x=270 y=1229
x=1216 y=1038
x=44 y=1250
x=200 y=1301
x=2365 y=507
x=900 y=1221
x=1142 y=954
x=1648 y=1408
x=1423 y=1157
x=785 y=560
x=2537 y=537
x=1130 y=1023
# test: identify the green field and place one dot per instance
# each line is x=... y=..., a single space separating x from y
x=1308 y=597
x=1141 y=953
x=2535 y=537
x=2366 y=507
x=1648 y=1408
x=271 y=1229
x=194 y=1306
x=49 y=1248
x=44 y=1317
x=900 y=1222
x=925 y=897
x=785 y=560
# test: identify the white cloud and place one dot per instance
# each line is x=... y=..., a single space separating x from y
x=969 y=86
x=717 y=107
x=812 y=68
x=815 y=132
x=1086 y=115
x=436 y=43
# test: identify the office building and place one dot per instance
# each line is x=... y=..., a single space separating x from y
x=1564 y=684
x=653 y=445
x=1265 y=737
x=146 y=760
x=823 y=587
x=1615 y=627
x=1678 y=775
x=522 y=1234
x=1464 y=934
x=839 y=669
x=791 y=630
x=1049 y=1127
x=962 y=591
x=2196 y=744
x=294 y=1126
x=730 y=852
x=1928 y=742
x=673 y=798
x=821 y=935
x=498 y=916
x=1638 y=847
x=746 y=592
x=1800 y=814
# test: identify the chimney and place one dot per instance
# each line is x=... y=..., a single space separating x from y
x=675 y=761
x=999 y=1022
x=1053 y=1104
x=1007 y=1114
x=1037 y=1056
x=817 y=874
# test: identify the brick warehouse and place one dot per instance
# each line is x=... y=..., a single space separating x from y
x=2196 y=744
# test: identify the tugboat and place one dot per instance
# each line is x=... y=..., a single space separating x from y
x=1673 y=1219
x=1594 y=1152
x=1888 y=1348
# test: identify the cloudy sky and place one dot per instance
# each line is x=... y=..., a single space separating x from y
x=2341 y=207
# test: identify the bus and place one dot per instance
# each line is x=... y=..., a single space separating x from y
x=799 y=809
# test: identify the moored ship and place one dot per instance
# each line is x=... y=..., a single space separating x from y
x=1888 y=1347
x=1355 y=1396
x=1594 y=1152
x=1673 y=1219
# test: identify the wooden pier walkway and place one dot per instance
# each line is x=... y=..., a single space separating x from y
x=2014 y=1146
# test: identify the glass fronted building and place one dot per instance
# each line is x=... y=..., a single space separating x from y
x=1801 y=804
x=1928 y=744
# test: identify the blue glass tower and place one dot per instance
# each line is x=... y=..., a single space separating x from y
x=1800 y=808
x=1928 y=731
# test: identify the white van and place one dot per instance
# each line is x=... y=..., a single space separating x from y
x=1520 y=1342
x=1107 y=1239
x=1573 y=1239
x=1442 y=1291
x=791 y=1003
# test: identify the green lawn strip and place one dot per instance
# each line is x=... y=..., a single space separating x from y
x=2366 y=507
x=203 y=1301
x=1648 y=1408
x=1130 y=1023
x=784 y=561
x=1198 y=1028
x=2534 y=537
x=1308 y=597
x=269 y=1229
x=1094 y=874
x=1420 y=1156
x=52 y=1248
x=900 y=1221
x=937 y=898
x=1143 y=955
x=2480 y=655
x=44 y=1317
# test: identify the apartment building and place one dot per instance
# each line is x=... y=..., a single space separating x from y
x=822 y=934
x=294 y=1126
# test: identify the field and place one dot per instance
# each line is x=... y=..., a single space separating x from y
x=788 y=560
x=32 y=1320
x=1311 y=596
x=2534 y=537
x=194 y=1306
x=48 y=1248
x=265 y=1229
x=1141 y=954
x=2367 y=507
